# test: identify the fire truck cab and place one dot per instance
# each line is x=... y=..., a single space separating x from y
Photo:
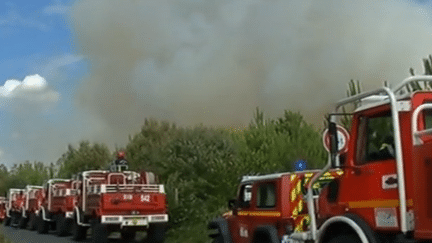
x=383 y=195
x=119 y=200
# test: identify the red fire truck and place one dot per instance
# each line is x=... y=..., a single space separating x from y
x=119 y=200
x=3 y=202
x=56 y=206
x=16 y=201
x=30 y=207
x=382 y=194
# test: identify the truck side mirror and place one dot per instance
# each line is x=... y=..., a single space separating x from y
x=232 y=204
x=334 y=146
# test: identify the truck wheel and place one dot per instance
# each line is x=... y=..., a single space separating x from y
x=52 y=225
x=155 y=233
x=42 y=225
x=15 y=220
x=62 y=225
x=99 y=233
x=345 y=239
x=32 y=222
x=128 y=236
x=79 y=233
x=7 y=221
x=22 y=224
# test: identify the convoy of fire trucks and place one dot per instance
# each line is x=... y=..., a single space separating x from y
x=105 y=201
x=375 y=188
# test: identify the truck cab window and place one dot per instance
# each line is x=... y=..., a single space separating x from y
x=266 y=196
x=375 y=139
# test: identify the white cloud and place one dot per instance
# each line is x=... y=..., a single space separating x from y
x=61 y=61
x=56 y=8
x=12 y=18
x=33 y=88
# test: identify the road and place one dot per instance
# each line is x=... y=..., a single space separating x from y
x=27 y=236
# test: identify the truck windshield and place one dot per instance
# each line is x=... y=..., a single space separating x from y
x=375 y=138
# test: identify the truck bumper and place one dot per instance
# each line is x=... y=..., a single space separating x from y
x=134 y=220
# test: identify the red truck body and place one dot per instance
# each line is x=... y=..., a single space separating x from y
x=381 y=194
x=3 y=204
x=16 y=202
x=58 y=200
x=29 y=207
x=124 y=201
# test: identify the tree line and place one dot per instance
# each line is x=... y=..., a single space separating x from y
x=200 y=166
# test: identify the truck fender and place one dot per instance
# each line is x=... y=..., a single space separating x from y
x=353 y=222
x=265 y=233
x=78 y=215
x=222 y=226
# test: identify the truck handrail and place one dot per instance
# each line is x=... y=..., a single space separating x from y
x=411 y=79
x=398 y=150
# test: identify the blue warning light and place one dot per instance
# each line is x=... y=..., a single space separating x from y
x=300 y=165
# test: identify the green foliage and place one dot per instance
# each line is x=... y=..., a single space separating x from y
x=144 y=149
x=200 y=167
x=4 y=178
x=276 y=145
x=23 y=174
x=414 y=86
x=85 y=157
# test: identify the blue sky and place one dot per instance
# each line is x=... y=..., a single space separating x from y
x=74 y=70
x=36 y=39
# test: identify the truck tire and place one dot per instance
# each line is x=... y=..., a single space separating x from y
x=7 y=221
x=220 y=231
x=345 y=239
x=62 y=226
x=99 y=233
x=32 y=222
x=15 y=219
x=79 y=232
x=265 y=234
x=52 y=225
x=42 y=225
x=22 y=224
x=155 y=233
x=128 y=236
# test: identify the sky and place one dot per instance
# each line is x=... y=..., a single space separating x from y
x=94 y=70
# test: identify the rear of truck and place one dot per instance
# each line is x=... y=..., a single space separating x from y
x=3 y=202
x=126 y=203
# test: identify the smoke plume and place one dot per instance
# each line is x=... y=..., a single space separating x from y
x=213 y=62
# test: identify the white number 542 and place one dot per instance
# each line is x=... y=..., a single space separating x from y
x=145 y=198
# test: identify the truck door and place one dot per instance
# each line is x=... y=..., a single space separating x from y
x=371 y=182
x=265 y=206
x=239 y=224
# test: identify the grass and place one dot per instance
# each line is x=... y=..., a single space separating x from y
x=3 y=238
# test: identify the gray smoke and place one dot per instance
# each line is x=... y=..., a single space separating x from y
x=213 y=62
